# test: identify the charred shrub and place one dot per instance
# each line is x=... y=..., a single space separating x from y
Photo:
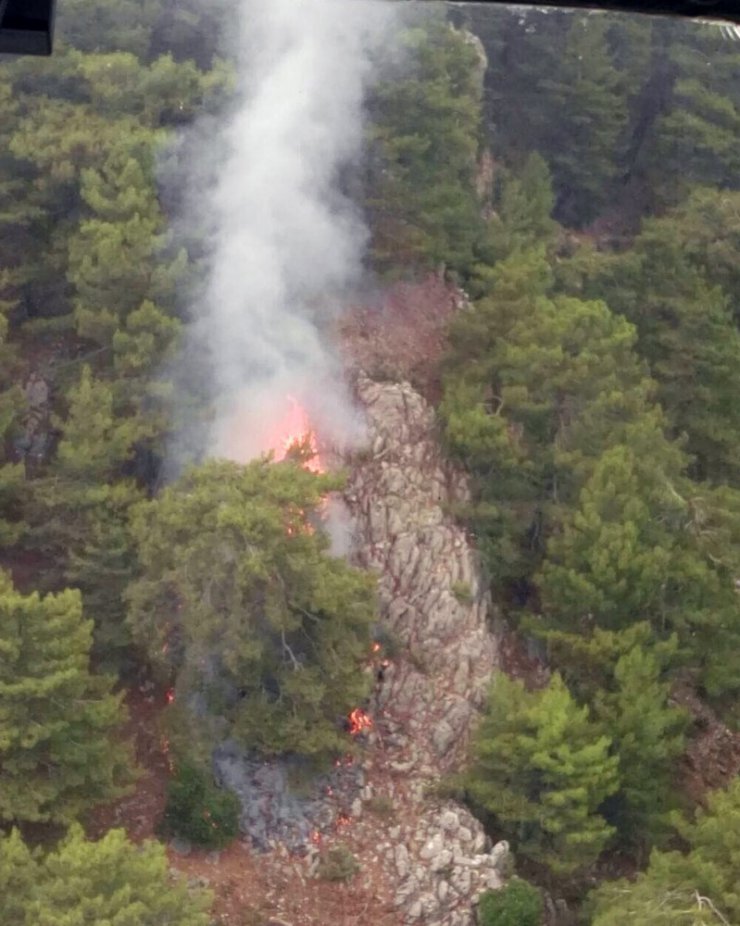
x=517 y=904
x=199 y=811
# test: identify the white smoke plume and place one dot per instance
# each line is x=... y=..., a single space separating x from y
x=286 y=244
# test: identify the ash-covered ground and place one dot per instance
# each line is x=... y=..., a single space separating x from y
x=284 y=801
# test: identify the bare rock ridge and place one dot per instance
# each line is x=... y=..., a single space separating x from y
x=435 y=611
x=432 y=600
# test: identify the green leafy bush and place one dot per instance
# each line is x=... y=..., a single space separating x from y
x=199 y=811
x=382 y=805
x=517 y=904
x=338 y=864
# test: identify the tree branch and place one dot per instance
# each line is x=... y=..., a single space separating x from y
x=289 y=651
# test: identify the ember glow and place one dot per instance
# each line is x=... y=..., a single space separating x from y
x=359 y=722
x=170 y=695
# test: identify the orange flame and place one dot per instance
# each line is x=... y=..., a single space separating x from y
x=376 y=647
x=294 y=432
x=359 y=721
x=169 y=695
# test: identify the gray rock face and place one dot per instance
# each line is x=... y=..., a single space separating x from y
x=274 y=812
x=432 y=597
x=434 y=606
x=450 y=872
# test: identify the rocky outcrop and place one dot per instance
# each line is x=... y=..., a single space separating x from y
x=436 y=615
x=433 y=602
x=443 y=864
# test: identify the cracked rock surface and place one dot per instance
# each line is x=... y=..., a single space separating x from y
x=433 y=601
x=436 y=612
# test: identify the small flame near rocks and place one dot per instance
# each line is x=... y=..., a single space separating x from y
x=359 y=722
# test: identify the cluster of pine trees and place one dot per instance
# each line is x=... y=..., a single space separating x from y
x=589 y=390
x=220 y=584
x=591 y=393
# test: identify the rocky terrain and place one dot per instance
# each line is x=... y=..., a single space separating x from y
x=433 y=603
x=427 y=857
x=437 y=617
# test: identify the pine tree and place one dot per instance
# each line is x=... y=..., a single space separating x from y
x=536 y=387
x=11 y=407
x=695 y=139
x=12 y=220
x=524 y=49
x=696 y=889
x=120 y=25
x=520 y=221
x=648 y=739
x=115 y=259
x=625 y=676
x=706 y=230
x=555 y=86
x=79 y=510
x=688 y=336
x=423 y=203
x=58 y=757
x=643 y=543
x=239 y=603
x=80 y=882
x=615 y=557
x=543 y=769
x=588 y=96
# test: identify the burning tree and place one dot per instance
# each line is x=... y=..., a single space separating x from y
x=261 y=632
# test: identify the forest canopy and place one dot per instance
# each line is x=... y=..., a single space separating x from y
x=575 y=178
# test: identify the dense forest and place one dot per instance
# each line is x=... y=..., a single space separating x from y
x=584 y=193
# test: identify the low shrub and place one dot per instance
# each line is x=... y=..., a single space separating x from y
x=381 y=805
x=519 y=903
x=462 y=592
x=338 y=864
x=199 y=811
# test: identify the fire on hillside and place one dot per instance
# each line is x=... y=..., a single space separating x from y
x=293 y=435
